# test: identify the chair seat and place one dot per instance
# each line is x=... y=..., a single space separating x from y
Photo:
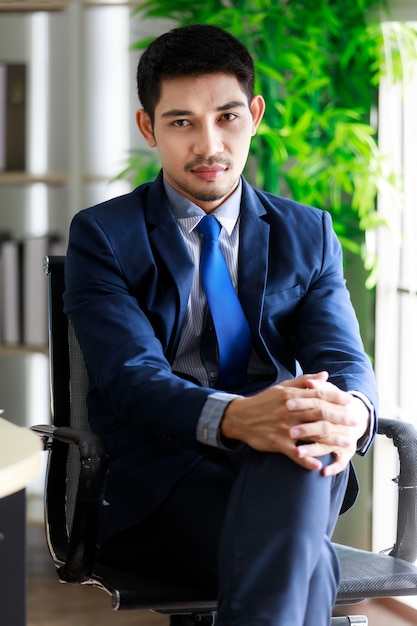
x=371 y=575
x=364 y=575
x=140 y=591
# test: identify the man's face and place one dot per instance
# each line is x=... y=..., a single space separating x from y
x=202 y=131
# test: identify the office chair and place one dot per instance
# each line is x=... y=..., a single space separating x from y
x=75 y=485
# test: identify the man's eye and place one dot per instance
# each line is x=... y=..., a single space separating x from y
x=181 y=123
x=229 y=116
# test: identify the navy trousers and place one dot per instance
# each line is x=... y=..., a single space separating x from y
x=253 y=527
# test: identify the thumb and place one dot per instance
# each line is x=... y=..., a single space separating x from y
x=306 y=381
x=310 y=379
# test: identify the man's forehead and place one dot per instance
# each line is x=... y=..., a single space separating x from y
x=217 y=91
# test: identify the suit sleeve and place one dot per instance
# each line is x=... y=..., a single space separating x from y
x=327 y=334
x=125 y=359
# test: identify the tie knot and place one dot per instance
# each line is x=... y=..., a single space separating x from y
x=209 y=227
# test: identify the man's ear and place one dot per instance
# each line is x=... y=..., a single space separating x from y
x=257 y=108
x=144 y=124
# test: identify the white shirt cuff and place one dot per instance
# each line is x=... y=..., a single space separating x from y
x=365 y=441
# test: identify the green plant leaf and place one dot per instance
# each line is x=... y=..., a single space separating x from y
x=318 y=64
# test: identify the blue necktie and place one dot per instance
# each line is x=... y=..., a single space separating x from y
x=231 y=326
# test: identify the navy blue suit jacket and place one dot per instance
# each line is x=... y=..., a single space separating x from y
x=128 y=278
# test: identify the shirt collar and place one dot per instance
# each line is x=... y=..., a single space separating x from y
x=184 y=209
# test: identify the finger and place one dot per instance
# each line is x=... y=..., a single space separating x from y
x=308 y=462
x=290 y=450
x=303 y=381
x=319 y=449
x=310 y=409
x=339 y=465
x=313 y=450
x=320 y=432
x=328 y=391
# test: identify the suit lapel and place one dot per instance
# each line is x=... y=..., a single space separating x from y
x=253 y=257
x=168 y=244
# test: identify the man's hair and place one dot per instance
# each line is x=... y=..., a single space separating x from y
x=192 y=50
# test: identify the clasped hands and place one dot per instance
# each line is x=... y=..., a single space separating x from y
x=304 y=418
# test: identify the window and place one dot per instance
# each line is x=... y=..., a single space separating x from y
x=396 y=303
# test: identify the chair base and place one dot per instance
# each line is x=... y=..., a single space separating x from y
x=350 y=620
x=210 y=620
x=192 y=620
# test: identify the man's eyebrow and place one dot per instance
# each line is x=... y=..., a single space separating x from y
x=176 y=113
x=234 y=104
x=184 y=112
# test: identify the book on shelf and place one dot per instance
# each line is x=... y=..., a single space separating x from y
x=12 y=116
x=24 y=289
x=10 y=285
x=35 y=287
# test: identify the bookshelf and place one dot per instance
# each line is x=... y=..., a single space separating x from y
x=32 y=5
x=56 y=179
x=27 y=196
x=81 y=113
x=82 y=52
x=36 y=201
x=23 y=350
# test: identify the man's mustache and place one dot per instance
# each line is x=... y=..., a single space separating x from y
x=203 y=162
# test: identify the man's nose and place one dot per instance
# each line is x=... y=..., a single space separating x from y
x=208 y=140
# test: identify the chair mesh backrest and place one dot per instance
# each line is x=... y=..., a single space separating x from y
x=69 y=383
x=78 y=386
x=78 y=383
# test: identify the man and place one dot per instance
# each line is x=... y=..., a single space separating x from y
x=225 y=471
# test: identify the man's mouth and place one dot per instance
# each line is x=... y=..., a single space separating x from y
x=210 y=172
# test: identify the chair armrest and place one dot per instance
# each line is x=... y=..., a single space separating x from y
x=93 y=468
x=404 y=436
x=89 y=498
